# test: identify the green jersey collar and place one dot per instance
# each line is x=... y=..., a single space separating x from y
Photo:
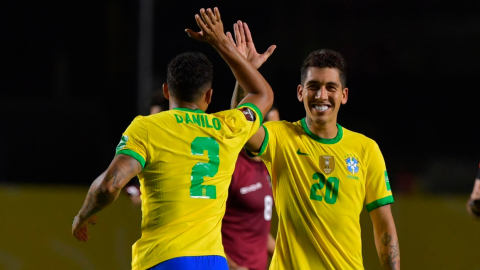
x=189 y=110
x=320 y=139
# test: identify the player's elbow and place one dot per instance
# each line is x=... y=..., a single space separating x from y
x=108 y=189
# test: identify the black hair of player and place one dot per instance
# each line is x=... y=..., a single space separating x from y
x=325 y=58
x=189 y=75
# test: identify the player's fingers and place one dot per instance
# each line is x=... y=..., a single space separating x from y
x=248 y=34
x=200 y=23
x=211 y=16
x=270 y=51
x=238 y=38
x=217 y=14
x=230 y=38
x=242 y=31
x=205 y=18
x=80 y=234
x=86 y=233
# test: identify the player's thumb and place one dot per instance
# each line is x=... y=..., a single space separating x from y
x=193 y=34
x=270 y=51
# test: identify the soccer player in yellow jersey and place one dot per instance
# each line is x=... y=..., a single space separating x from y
x=322 y=176
x=184 y=159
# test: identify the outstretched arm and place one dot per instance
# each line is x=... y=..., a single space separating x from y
x=386 y=239
x=257 y=89
x=244 y=44
x=103 y=191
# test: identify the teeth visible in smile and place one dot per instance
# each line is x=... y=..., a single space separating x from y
x=321 y=108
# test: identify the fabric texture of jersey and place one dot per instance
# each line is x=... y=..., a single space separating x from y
x=188 y=158
x=246 y=224
x=193 y=263
x=320 y=187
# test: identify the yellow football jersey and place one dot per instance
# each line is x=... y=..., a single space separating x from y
x=320 y=187
x=188 y=158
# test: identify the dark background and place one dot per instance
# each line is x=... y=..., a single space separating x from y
x=70 y=79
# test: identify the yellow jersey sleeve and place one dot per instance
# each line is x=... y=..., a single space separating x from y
x=255 y=121
x=273 y=131
x=134 y=141
x=377 y=185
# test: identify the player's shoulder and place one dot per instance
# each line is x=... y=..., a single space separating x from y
x=138 y=122
x=282 y=125
x=358 y=138
x=154 y=118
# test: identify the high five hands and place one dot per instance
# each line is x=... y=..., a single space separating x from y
x=244 y=44
x=211 y=31
x=211 y=27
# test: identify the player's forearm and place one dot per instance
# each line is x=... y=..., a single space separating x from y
x=238 y=95
x=388 y=249
x=247 y=76
x=271 y=244
x=99 y=196
x=476 y=190
x=386 y=239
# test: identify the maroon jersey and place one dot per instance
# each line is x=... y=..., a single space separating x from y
x=246 y=223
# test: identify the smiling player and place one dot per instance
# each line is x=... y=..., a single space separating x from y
x=322 y=176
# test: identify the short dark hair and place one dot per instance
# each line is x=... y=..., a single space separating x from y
x=325 y=59
x=189 y=75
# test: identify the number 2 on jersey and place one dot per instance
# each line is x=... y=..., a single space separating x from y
x=202 y=169
x=331 y=192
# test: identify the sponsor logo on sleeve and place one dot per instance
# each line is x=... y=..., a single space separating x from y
x=249 y=114
x=122 y=143
x=387 y=181
x=327 y=164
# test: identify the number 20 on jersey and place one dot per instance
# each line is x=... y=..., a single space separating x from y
x=331 y=186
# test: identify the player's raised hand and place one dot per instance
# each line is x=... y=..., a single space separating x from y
x=211 y=27
x=244 y=44
x=79 y=227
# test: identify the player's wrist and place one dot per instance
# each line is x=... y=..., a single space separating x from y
x=223 y=45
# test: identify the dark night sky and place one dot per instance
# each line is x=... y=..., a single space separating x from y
x=70 y=76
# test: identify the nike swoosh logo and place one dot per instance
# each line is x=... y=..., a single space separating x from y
x=302 y=154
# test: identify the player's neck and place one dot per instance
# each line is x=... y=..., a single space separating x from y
x=326 y=130
x=182 y=104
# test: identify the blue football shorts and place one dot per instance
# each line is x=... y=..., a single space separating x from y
x=193 y=263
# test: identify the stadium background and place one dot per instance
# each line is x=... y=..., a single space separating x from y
x=76 y=74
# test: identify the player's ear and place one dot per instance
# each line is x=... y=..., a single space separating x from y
x=165 y=91
x=300 y=93
x=208 y=96
x=344 y=95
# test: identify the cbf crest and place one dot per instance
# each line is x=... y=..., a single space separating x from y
x=352 y=165
x=327 y=164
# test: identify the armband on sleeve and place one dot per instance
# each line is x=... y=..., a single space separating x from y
x=249 y=114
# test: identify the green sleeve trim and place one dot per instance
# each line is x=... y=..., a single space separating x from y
x=265 y=141
x=250 y=154
x=263 y=147
x=134 y=155
x=379 y=203
x=253 y=107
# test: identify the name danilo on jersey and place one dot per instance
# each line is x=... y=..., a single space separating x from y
x=200 y=119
